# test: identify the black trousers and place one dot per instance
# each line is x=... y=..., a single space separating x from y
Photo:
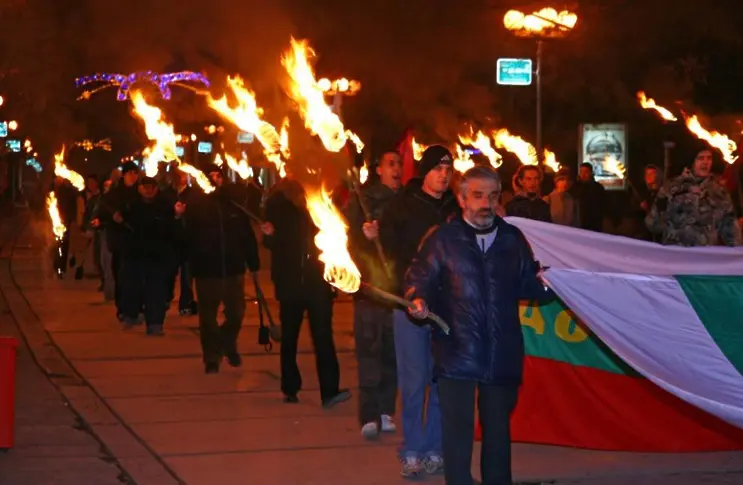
x=320 y=315
x=143 y=287
x=375 y=355
x=216 y=340
x=115 y=269
x=495 y=405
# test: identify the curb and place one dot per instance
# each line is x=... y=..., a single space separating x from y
x=137 y=462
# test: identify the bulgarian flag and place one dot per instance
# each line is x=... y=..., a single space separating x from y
x=643 y=351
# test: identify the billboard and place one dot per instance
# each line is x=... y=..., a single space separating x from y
x=599 y=143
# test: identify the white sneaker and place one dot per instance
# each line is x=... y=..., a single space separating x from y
x=411 y=467
x=433 y=464
x=370 y=431
x=388 y=424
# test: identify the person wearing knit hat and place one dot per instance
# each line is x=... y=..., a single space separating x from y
x=127 y=167
x=403 y=225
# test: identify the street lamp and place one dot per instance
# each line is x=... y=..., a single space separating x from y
x=548 y=23
x=338 y=88
x=12 y=125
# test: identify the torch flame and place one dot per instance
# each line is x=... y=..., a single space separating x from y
x=482 y=143
x=318 y=117
x=58 y=228
x=418 y=149
x=649 y=103
x=61 y=170
x=284 y=139
x=462 y=160
x=540 y=22
x=241 y=167
x=524 y=150
x=612 y=165
x=162 y=134
x=332 y=241
x=248 y=117
x=726 y=146
x=364 y=174
x=550 y=159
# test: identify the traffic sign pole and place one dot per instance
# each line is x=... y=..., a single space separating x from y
x=539 y=97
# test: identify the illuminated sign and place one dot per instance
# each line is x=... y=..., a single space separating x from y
x=205 y=147
x=245 y=137
x=179 y=151
x=514 y=72
x=13 y=145
x=3 y=129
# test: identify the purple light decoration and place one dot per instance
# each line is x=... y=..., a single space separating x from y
x=125 y=82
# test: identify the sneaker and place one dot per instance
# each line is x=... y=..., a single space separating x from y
x=433 y=464
x=186 y=312
x=129 y=323
x=155 y=330
x=388 y=424
x=370 y=431
x=291 y=399
x=211 y=368
x=342 y=396
x=234 y=359
x=411 y=467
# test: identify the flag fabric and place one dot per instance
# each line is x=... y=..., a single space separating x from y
x=643 y=350
x=405 y=149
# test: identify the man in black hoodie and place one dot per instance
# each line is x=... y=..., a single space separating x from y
x=221 y=243
x=591 y=198
x=145 y=249
x=406 y=220
x=372 y=319
x=297 y=275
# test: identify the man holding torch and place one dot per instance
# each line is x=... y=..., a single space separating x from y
x=474 y=270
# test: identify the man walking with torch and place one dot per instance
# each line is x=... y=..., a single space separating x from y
x=372 y=317
x=422 y=205
x=473 y=270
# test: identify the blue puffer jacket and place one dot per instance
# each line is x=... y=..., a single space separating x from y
x=478 y=295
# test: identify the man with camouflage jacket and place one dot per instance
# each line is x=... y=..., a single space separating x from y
x=694 y=209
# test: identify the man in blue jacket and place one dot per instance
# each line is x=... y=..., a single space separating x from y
x=474 y=269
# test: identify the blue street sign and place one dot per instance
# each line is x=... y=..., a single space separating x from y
x=179 y=151
x=3 y=129
x=14 y=145
x=245 y=137
x=514 y=72
x=205 y=147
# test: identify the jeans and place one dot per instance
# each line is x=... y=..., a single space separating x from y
x=217 y=340
x=421 y=438
x=320 y=315
x=495 y=405
x=375 y=355
x=143 y=287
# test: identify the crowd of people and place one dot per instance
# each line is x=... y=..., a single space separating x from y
x=447 y=250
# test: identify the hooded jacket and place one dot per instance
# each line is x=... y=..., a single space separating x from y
x=477 y=293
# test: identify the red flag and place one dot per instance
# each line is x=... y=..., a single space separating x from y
x=405 y=149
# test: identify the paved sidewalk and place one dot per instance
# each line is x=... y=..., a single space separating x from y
x=167 y=422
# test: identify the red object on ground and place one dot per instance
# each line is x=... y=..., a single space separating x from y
x=405 y=149
x=8 y=346
x=582 y=407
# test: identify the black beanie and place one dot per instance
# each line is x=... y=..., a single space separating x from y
x=129 y=167
x=434 y=156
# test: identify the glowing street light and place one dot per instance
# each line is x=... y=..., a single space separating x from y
x=338 y=88
x=12 y=125
x=2 y=100
x=547 y=23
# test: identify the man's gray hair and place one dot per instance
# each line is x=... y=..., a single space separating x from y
x=479 y=172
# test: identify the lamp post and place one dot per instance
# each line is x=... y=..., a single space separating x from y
x=548 y=23
x=338 y=88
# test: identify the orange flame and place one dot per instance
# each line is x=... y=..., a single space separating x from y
x=649 y=103
x=524 y=150
x=364 y=174
x=163 y=149
x=61 y=170
x=482 y=143
x=550 y=159
x=462 y=160
x=612 y=165
x=332 y=241
x=58 y=227
x=248 y=117
x=241 y=167
x=318 y=117
x=418 y=149
x=726 y=146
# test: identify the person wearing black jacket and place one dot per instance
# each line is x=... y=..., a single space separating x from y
x=299 y=285
x=144 y=251
x=591 y=198
x=527 y=202
x=221 y=243
x=420 y=207
x=372 y=319
x=109 y=217
x=176 y=191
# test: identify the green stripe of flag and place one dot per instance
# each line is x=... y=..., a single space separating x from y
x=718 y=302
